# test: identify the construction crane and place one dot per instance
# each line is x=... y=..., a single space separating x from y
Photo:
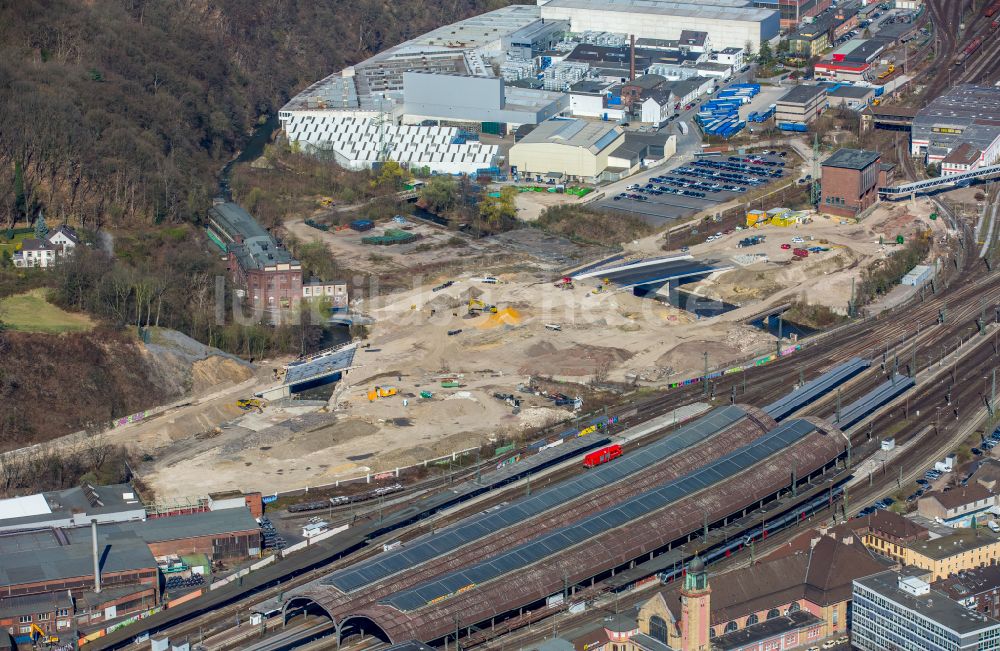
x=476 y=305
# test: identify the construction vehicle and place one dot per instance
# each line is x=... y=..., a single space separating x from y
x=476 y=305
x=248 y=404
x=38 y=635
x=565 y=283
x=381 y=392
x=888 y=71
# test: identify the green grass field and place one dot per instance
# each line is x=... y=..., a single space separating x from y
x=30 y=312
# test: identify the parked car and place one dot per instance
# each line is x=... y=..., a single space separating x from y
x=786 y=246
x=923 y=482
x=976 y=451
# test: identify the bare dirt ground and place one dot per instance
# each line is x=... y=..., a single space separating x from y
x=421 y=338
x=530 y=205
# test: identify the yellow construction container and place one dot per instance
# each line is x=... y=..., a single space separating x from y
x=756 y=218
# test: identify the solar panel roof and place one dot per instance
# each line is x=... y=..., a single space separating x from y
x=471 y=529
x=641 y=505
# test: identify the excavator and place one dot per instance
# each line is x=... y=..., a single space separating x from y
x=381 y=392
x=476 y=305
x=38 y=635
x=249 y=404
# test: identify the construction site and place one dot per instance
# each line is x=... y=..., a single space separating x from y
x=509 y=343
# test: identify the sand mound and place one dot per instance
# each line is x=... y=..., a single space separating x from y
x=215 y=370
x=507 y=316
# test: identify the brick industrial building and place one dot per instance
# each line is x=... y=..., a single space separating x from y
x=851 y=180
x=272 y=278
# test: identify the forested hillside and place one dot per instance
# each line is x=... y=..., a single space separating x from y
x=120 y=112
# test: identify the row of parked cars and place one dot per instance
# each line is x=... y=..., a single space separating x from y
x=988 y=443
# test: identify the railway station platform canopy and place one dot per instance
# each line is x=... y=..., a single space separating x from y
x=815 y=389
x=426 y=608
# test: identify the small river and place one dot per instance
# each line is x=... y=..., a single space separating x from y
x=254 y=148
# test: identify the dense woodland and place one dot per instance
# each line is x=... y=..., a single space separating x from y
x=121 y=112
x=116 y=117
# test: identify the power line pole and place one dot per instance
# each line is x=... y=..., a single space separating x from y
x=704 y=388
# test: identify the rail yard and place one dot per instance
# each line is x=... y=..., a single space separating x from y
x=547 y=443
x=556 y=527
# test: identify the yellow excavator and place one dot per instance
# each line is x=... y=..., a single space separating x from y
x=381 y=392
x=249 y=404
x=476 y=305
x=38 y=635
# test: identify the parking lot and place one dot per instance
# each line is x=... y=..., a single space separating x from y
x=697 y=185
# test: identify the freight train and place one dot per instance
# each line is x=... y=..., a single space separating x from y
x=604 y=455
x=992 y=9
x=345 y=499
x=969 y=50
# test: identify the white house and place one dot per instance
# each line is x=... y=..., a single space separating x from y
x=35 y=253
x=64 y=239
x=731 y=56
x=335 y=290
x=657 y=107
x=43 y=253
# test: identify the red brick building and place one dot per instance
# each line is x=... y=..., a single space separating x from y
x=267 y=272
x=52 y=613
x=977 y=589
x=851 y=179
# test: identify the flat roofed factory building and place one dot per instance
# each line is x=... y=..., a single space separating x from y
x=577 y=149
x=729 y=23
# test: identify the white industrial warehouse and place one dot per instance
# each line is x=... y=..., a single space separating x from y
x=425 y=102
x=729 y=23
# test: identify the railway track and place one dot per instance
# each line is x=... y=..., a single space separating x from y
x=933 y=441
x=962 y=298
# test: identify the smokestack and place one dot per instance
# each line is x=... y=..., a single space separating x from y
x=97 y=558
x=631 y=66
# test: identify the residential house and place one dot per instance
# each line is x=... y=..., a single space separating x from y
x=52 y=613
x=35 y=253
x=44 y=253
x=958 y=506
x=888 y=533
x=334 y=290
x=977 y=589
x=64 y=238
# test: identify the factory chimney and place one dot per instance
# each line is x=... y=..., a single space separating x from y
x=631 y=65
x=97 y=558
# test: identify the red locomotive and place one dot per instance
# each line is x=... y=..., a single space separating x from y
x=604 y=455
